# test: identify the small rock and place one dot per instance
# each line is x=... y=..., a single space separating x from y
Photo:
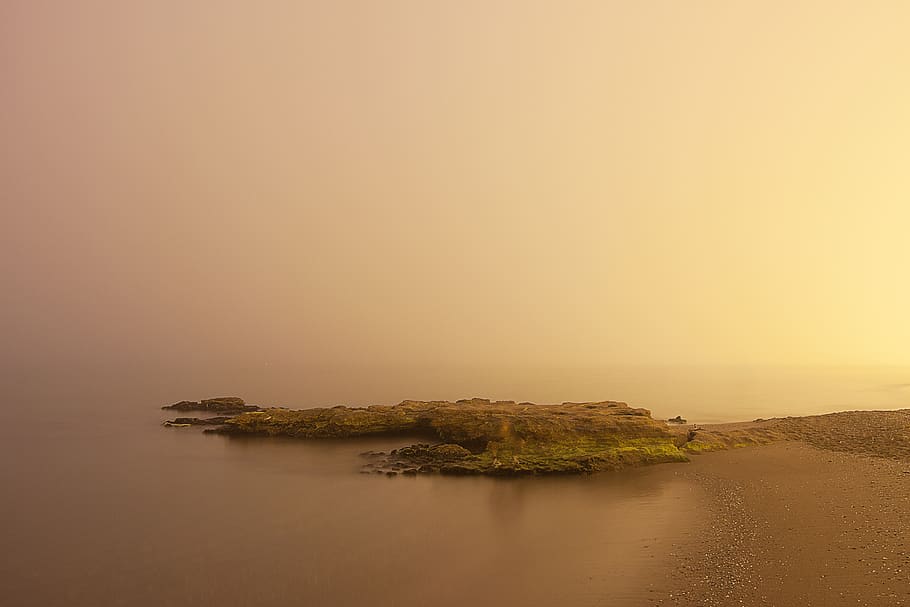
x=222 y=404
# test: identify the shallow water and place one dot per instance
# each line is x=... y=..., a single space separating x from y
x=182 y=518
x=104 y=506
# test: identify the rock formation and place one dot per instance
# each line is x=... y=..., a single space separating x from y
x=477 y=436
x=481 y=437
x=224 y=404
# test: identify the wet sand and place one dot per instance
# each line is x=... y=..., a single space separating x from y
x=793 y=524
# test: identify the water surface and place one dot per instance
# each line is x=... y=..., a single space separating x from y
x=104 y=506
x=121 y=511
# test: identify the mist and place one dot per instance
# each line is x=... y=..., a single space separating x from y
x=459 y=198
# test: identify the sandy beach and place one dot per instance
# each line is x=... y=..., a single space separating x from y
x=818 y=521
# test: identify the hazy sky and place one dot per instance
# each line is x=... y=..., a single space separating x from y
x=418 y=182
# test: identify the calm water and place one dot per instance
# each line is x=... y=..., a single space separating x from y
x=103 y=506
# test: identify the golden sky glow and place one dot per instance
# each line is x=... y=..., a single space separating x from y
x=565 y=183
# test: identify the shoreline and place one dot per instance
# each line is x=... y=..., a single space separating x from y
x=788 y=511
x=503 y=438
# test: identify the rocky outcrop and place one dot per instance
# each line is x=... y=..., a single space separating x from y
x=182 y=422
x=478 y=436
x=224 y=404
x=420 y=458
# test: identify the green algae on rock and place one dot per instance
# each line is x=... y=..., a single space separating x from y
x=875 y=433
x=478 y=436
x=705 y=440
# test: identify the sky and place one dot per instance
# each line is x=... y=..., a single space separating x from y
x=212 y=186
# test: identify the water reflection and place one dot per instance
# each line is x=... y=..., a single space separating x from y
x=143 y=515
x=410 y=541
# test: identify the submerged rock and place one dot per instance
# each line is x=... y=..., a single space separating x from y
x=197 y=421
x=477 y=436
x=224 y=404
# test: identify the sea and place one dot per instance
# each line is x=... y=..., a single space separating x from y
x=102 y=505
